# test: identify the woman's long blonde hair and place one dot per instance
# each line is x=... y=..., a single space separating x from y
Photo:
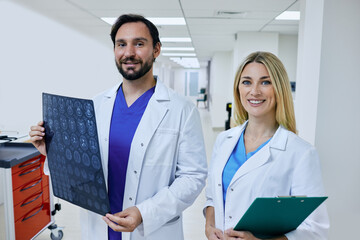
x=285 y=115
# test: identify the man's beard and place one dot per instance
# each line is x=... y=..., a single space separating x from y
x=145 y=68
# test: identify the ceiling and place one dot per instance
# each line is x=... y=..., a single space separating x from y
x=211 y=24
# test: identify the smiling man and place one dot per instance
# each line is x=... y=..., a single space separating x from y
x=151 y=144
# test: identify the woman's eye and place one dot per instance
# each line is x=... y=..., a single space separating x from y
x=245 y=82
x=267 y=82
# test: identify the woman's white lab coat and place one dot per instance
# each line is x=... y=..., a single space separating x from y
x=287 y=165
x=166 y=169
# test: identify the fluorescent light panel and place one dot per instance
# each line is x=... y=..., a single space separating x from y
x=177 y=49
x=156 y=21
x=289 y=15
x=177 y=39
x=167 y=21
x=187 y=62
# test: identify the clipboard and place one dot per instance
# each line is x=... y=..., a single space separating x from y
x=272 y=217
x=73 y=152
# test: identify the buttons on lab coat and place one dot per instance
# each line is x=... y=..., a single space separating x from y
x=219 y=184
x=130 y=198
x=105 y=139
x=141 y=144
x=135 y=171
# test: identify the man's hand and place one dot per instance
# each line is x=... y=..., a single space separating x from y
x=37 y=137
x=125 y=221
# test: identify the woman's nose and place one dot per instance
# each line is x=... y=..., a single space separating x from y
x=255 y=90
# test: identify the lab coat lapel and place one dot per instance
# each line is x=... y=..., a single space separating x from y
x=226 y=149
x=150 y=121
x=105 y=114
x=263 y=155
x=257 y=160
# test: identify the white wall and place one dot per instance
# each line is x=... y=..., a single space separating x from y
x=328 y=113
x=1 y=191
x=338 y=115
x=308 y=68
x=40 y=55
x=288 y=46
x=221 y=82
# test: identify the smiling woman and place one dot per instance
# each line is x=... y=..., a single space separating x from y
x=262 y=157
x=256 y=92
x=272 y=76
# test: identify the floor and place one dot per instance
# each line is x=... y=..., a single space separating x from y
x=194 y=221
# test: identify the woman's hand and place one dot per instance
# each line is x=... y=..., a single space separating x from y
x=37 y=137
x=231 y=234
x=213 y=233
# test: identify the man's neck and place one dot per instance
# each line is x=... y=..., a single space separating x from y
x=133 y=89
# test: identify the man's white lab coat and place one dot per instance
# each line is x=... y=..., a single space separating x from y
x=166 y=169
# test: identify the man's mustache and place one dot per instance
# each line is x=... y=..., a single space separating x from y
x=130 y=60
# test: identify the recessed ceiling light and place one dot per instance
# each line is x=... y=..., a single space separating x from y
x=109 y=20
x=187 y=62
x=289 y=15
x=177 y=49
x=156 y=21
x=179 y=54
x=167 y=21
x=177 y=39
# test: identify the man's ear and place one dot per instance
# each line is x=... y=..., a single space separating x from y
x=157 y=50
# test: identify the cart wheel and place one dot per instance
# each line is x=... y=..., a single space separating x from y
x=59 y=237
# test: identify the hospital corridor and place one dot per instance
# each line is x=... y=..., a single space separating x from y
x=285 y=72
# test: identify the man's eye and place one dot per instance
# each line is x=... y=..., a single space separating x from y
x=139 y=44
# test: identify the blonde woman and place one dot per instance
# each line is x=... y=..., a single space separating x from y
x=262 y=156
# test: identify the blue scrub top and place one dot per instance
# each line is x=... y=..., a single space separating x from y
x=124 y=123
x=237 y=158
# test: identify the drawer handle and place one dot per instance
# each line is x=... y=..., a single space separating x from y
x=33 y=185
x=26 y=218
x=25 y=164
x=32 y=170
x=26 y=203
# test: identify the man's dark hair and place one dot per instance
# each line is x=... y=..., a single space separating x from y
x=127 y=18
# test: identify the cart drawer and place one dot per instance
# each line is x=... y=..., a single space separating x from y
x=27 y=175
x=29 y=203
x=30 y=188
x=28 y=163
x=33 y=222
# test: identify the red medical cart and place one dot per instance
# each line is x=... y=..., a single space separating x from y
x=28 y=202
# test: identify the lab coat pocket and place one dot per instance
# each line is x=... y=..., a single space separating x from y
x=170 y=230
x=162 y=148
x=173 y=220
